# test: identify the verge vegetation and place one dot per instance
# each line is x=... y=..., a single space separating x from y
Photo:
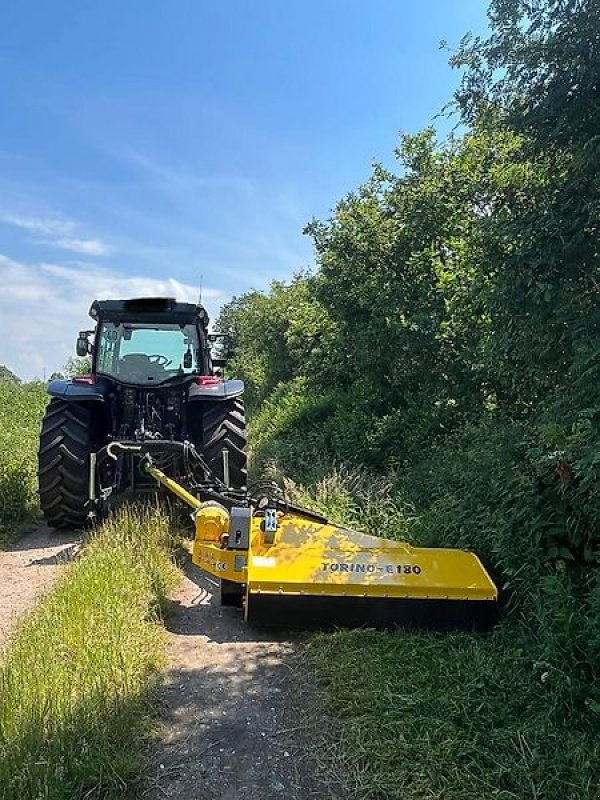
x=449 y=344
x=21 y=409
x=76 y=678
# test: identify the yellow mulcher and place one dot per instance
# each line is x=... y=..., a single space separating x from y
x=289 y=566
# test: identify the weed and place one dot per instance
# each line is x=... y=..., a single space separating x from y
x=419 y=716
x=424 y=716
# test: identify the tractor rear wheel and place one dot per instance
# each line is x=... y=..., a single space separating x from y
x=63 y=464
x=224 y=428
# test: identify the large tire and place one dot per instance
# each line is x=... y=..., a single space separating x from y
x=224 y=428
x=63 y=464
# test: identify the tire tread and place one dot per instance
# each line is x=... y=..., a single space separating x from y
x=63 y=458
x=224 y=427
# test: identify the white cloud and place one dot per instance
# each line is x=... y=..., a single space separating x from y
x=42 y=306
x=51 y=226
x=60 y=232
x=87 y=247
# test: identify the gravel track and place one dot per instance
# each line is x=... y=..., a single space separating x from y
x=238 y=719
x=234 y=723
x=28 y=569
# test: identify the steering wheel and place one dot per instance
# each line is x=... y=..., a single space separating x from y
x=159 y=360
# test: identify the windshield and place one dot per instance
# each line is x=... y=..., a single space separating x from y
x=147 y=353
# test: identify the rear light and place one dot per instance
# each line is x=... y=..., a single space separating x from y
x=89 y=380
x=208 y=380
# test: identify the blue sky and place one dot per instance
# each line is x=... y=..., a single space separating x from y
x=143 y=144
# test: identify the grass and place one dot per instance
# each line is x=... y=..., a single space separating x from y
x=76 y=679
x=425 y=716
x=416 y=716
x=21 y=410
x=421 y=716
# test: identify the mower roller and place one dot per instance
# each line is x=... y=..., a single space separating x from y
x=154 y=408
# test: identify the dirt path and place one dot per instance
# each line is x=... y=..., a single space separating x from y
x=28 y=569
x=234 y=725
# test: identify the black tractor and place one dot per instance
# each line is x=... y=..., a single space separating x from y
x=153 y=391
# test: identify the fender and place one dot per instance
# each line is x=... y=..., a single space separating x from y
x=70 y=390
x=223 y=390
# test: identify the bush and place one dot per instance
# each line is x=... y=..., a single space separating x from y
x=518 y=712
x=287 y=429
x=21 y=410
x=452 y=342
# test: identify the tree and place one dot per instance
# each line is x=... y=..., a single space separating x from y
x=273 y=336
x=535 y=79
x=78 y=365
x=466 y=282
x=8 y=375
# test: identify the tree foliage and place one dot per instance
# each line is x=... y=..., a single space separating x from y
x=462 y=288
x=7 y=375
x=450 y=335
x=466 y=282
x=274 y=336
x=76 y=365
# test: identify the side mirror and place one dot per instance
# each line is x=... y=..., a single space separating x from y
x=225 y=348
x=187 y=359
x=83 y=347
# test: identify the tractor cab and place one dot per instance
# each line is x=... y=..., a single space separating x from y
x=148 y=353
x=147 y=341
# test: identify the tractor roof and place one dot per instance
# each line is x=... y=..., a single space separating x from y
x=148 y=309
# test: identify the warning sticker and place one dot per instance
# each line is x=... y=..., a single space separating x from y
x=212 y=562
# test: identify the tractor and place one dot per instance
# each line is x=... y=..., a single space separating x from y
x=153 y=413
x=153 y=387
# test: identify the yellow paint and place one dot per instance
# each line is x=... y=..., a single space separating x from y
x=212 y=522
x=222 y=563
x=209 y=551
x=173 y=486
x=315 y=559
x=311 y=558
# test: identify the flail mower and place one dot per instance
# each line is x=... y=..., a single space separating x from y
x=154 y=413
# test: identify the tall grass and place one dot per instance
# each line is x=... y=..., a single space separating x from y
x=418 y=716
x=76 y=678
x=21 y=410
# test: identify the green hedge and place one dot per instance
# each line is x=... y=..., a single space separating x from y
x=21 y=410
